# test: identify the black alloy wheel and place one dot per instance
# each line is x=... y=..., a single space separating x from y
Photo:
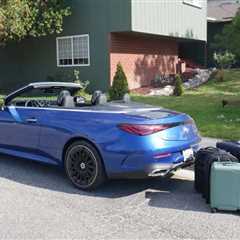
x=83 y=166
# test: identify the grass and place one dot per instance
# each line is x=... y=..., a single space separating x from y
x=205 y=106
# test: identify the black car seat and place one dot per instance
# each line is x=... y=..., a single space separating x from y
x=65 y=99
x=95 y=97
x=98 y=98
x=62 y=96
x=68 y=102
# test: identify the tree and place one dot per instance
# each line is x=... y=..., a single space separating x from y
x=31 y=18
x=120 y=84
x=224 y=60
x=229 y=39
x=178 y=90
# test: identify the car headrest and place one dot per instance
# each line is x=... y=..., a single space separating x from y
x=68 y=102
x=95 y=97
x=126 y=98
x=102 y=99
x=61 y=97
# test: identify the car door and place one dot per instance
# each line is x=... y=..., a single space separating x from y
x=19 y=129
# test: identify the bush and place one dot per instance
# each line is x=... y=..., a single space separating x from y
x=224 y=60
x=178 y=91
x=120 y=84
x=85 y=84
x=1 y=101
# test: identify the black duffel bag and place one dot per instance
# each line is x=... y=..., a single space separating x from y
x=231 y=147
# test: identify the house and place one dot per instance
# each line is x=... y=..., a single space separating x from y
x=147 y=36
x=220 y=14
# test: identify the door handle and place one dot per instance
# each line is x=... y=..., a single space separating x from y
x=32 y=120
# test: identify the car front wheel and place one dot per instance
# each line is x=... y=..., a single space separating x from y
x=83 y=166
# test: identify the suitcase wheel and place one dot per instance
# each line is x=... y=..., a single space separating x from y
x=213 y=210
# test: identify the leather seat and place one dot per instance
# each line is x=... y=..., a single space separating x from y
x=98 y=98
x=65 y=99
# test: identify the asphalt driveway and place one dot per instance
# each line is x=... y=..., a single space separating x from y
x=38 y=202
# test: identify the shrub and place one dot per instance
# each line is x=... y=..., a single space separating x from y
x=85 y=84
x=1 y=101
x=120 y=84
x=224 y=60
x=178 y=91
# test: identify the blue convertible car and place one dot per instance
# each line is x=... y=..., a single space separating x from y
x=49 y=123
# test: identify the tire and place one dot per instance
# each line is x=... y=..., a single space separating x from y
x=84 y=166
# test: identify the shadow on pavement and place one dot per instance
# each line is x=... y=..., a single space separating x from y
x=163 y=193
x=177 y=194
x=53 y=178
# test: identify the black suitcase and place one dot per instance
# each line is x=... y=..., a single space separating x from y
x=204 y=160
x=231 y=147
x=199 y=170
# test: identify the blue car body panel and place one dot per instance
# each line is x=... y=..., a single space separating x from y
x=122 y=153
x=43 y=134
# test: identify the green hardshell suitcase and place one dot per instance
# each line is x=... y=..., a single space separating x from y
x=224 y=189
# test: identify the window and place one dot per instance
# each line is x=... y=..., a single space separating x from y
x=73 y=51
x=195 y=3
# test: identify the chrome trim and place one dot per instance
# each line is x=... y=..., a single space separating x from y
x=165 y=169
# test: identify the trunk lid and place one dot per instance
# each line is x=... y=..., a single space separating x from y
x=183 y=129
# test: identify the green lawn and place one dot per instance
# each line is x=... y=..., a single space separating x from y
x=205 y=106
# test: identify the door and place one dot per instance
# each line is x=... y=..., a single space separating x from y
x=19 y=129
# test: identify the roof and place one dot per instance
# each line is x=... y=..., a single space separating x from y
x=55 y=84
x=222 y=10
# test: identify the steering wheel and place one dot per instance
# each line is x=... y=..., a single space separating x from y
x=33 y=103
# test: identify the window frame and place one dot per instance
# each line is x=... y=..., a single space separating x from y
x=193 y=3
x=72 y=37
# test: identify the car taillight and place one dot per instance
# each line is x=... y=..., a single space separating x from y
x=143 y=130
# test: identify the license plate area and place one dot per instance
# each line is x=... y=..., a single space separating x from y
x=187 y=154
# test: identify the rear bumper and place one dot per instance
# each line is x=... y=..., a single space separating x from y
x=153 y=170
x=150 y=161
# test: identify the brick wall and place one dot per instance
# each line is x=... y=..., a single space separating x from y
x=142 y=57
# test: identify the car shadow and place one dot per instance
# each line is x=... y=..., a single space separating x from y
x=53 y=178
x=172 y=193
x=178 y=194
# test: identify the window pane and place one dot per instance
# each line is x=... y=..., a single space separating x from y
x=81 y=50
x=80 y=47
x=65 y=51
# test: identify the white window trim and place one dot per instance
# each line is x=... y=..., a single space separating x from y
x=193 y=4
x=71 y=37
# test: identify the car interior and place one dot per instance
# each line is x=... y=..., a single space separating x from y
x=64 y=99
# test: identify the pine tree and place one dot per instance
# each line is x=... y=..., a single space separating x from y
x=120 y=84
x=178 y=91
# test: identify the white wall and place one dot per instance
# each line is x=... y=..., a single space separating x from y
x=170 y=18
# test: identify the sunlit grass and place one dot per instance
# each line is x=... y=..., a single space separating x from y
x=205 y=106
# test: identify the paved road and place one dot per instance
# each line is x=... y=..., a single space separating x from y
x=38 y=202
x=206 y=142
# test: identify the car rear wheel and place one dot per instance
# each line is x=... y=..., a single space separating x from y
x=83 y=166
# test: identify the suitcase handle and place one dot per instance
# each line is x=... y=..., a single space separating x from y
x=229 y=164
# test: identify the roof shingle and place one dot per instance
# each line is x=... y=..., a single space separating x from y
x=222 y=10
